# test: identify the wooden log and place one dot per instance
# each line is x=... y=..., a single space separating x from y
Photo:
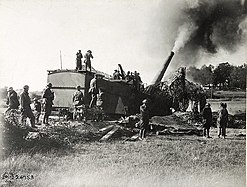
x=109 y=134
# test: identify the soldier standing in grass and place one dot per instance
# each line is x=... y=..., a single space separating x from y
x=37 y=109
x=26 y=110
x=222 y=120
x=87 y=60
x=207 y=116
x=12 y=99
x=144 y=121
x=48 y=96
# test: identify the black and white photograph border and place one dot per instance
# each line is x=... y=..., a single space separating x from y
x=123 y=93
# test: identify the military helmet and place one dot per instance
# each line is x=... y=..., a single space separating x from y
x=10 y=89
x=26 y=87
x=49 y=84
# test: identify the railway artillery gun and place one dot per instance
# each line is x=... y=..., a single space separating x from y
x=175 y=93
x=121 y=97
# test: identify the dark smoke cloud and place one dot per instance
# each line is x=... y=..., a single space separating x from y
x=217 y=25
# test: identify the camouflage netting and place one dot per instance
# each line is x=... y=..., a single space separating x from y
x=176 y=92
x=179 y=123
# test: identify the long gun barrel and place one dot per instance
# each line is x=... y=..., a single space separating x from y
x=160 y=75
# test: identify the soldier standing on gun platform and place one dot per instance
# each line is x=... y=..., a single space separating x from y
x=207 y=116
x=12 y=100
x=222 y=120
x=144 y=121
x=48 y=96
x=26 y=110
x=78 y=60
x=87 y=60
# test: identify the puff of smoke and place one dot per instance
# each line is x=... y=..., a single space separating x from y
x=184 y=33
x=211 y=25
x=218 y=24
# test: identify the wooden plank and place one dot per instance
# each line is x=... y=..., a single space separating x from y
x=109 y=134
x=135 y=137
x=109 y=127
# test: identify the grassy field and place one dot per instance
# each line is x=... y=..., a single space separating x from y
x=234 y=106
x=158 y=161
x=230 y=94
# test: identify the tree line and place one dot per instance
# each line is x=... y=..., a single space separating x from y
x=224 y=76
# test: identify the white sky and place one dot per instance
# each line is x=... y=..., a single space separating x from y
x=138 y=34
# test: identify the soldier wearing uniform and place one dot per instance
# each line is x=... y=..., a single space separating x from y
x=144 y=121
x=78 y=60
x=222 y=120
x=128 y=78
x=100 y=104
x=207 y=116
x=48 y=96
x=12 y=100
x=87 y=60
x=116 y=75
x=78 y=101
x=93 y=90
x=78 y=98
x=25 y=106
x=37 y=109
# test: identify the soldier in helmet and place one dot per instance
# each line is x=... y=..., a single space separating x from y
x=48 y=96
x=87 y=60
x=26 y=110
x=12 y=99
x=207 y=116
x=144 y=121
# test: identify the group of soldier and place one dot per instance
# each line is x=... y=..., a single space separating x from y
x=222 y=119
x=48 y=97
x=97 y=99
x=87 y=60
x=25 y=104
x=130 y=77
